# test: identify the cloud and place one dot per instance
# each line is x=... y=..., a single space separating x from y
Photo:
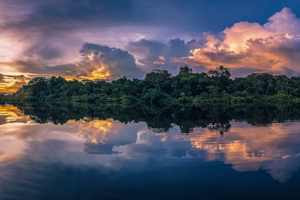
x=76 y=14
x=45 y=52
x=272 y=47
x=51 y=32
x=2 y=78
x=152 y=50
x=146 y=48
x=73 y=13
x=11 y=83
x=284 y=21
x=112 y=63
x=157 y=55
x=98 y=62
x=64 y=25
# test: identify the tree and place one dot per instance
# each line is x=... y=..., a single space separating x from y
x=221 y=77
x=219 y=72
x=185 y=71
x=159 y=79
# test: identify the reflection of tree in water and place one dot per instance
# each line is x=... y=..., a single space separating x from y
x=255 y=153
x=205 y=117
x=158 y=119
x=219 y=128
x=214 y=117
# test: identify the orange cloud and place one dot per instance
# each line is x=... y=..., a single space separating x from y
x=271 y=47
x=11 y=83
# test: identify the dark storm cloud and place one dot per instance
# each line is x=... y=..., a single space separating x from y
x=176 y=48
x=149 y=48
x=153 y=49
x=156 y=55
x=97 y=60
x=89 y=48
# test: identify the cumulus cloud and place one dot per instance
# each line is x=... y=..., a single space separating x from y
x=112 y=63
x=272 y=47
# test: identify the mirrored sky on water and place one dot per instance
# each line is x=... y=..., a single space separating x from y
x=115 y=148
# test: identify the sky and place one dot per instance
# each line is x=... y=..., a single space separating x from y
x=109 y=39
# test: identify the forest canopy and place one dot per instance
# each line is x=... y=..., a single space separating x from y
x=160 y=87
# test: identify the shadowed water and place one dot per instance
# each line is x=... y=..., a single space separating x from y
x=209 y=152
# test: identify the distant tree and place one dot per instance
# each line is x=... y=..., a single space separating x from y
x=219 y=72
x=159 y=79
x=185 y=71
x=221 y=78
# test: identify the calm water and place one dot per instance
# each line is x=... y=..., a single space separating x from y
x=178 y=153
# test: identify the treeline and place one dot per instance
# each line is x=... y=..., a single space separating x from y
x=159 y=87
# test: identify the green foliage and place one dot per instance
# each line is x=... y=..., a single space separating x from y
x=153 y=96
x=160 y=80
x=160 y=88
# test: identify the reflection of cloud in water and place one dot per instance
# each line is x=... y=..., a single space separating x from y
x=104 y=131
x=251 y=148
x=110 y=143
x=9 y=114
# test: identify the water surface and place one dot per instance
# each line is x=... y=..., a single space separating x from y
x=176 y=153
